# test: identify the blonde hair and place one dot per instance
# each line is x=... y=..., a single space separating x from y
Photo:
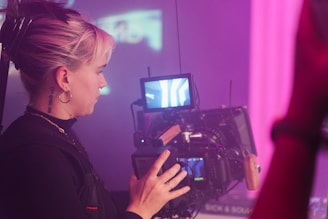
x=55 y=37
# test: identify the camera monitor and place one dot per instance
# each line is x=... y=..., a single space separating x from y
x=167 y=92
x=195 y=167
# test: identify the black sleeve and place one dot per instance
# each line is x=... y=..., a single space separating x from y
x=130 y=215
x=38 y=183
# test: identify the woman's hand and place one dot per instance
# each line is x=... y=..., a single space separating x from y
x=149 y=194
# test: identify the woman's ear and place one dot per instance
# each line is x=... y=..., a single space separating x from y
x=62 y=78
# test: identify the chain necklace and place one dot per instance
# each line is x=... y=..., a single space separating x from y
x=78 y=146
x=60 y=129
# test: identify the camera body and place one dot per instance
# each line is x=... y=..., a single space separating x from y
x=211 y=145
x=207 y=170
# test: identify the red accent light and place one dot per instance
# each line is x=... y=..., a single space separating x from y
x=92 y=208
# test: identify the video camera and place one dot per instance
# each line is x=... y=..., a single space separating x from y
x=215 y=146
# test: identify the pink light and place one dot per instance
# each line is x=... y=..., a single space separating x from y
x=273 y=25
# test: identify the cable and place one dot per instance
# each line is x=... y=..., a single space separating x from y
x=196 y=94
x=178 y=34
x=138 y=103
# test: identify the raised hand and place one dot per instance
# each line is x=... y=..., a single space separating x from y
x=149 y=194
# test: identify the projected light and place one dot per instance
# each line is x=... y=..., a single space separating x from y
x=105 y=90
x=135 y=27
x=67 y=3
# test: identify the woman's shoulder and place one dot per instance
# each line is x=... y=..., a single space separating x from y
x=29 y=130
x=23 y=129
x=31 y=138
x=29 y=145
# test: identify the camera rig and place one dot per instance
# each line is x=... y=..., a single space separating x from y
x=215 y=147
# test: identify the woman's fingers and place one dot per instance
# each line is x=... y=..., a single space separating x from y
x=150 y=193
x=158 y=164
x=173 y=176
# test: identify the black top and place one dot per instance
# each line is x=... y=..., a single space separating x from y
x=46 y=174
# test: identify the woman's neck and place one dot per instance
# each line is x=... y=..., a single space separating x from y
x=54 y=110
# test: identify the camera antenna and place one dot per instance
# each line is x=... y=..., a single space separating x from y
x=230 y=93
x=148 y=70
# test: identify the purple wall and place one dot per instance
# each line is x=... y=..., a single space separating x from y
x=214 y=47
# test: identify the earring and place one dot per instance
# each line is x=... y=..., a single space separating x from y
x=67 y=98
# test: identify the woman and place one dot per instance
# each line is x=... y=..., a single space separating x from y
x=44 y=170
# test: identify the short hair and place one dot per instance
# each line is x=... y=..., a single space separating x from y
x=53 y=37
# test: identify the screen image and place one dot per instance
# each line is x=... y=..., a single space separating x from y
x=161 y=93
x=194 y=167
x=135 y=27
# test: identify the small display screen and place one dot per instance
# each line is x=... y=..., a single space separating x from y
x=167 y=92
x=195 y=167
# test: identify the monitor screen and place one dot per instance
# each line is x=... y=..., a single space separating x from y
x=195 y=167
x=167 y=92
